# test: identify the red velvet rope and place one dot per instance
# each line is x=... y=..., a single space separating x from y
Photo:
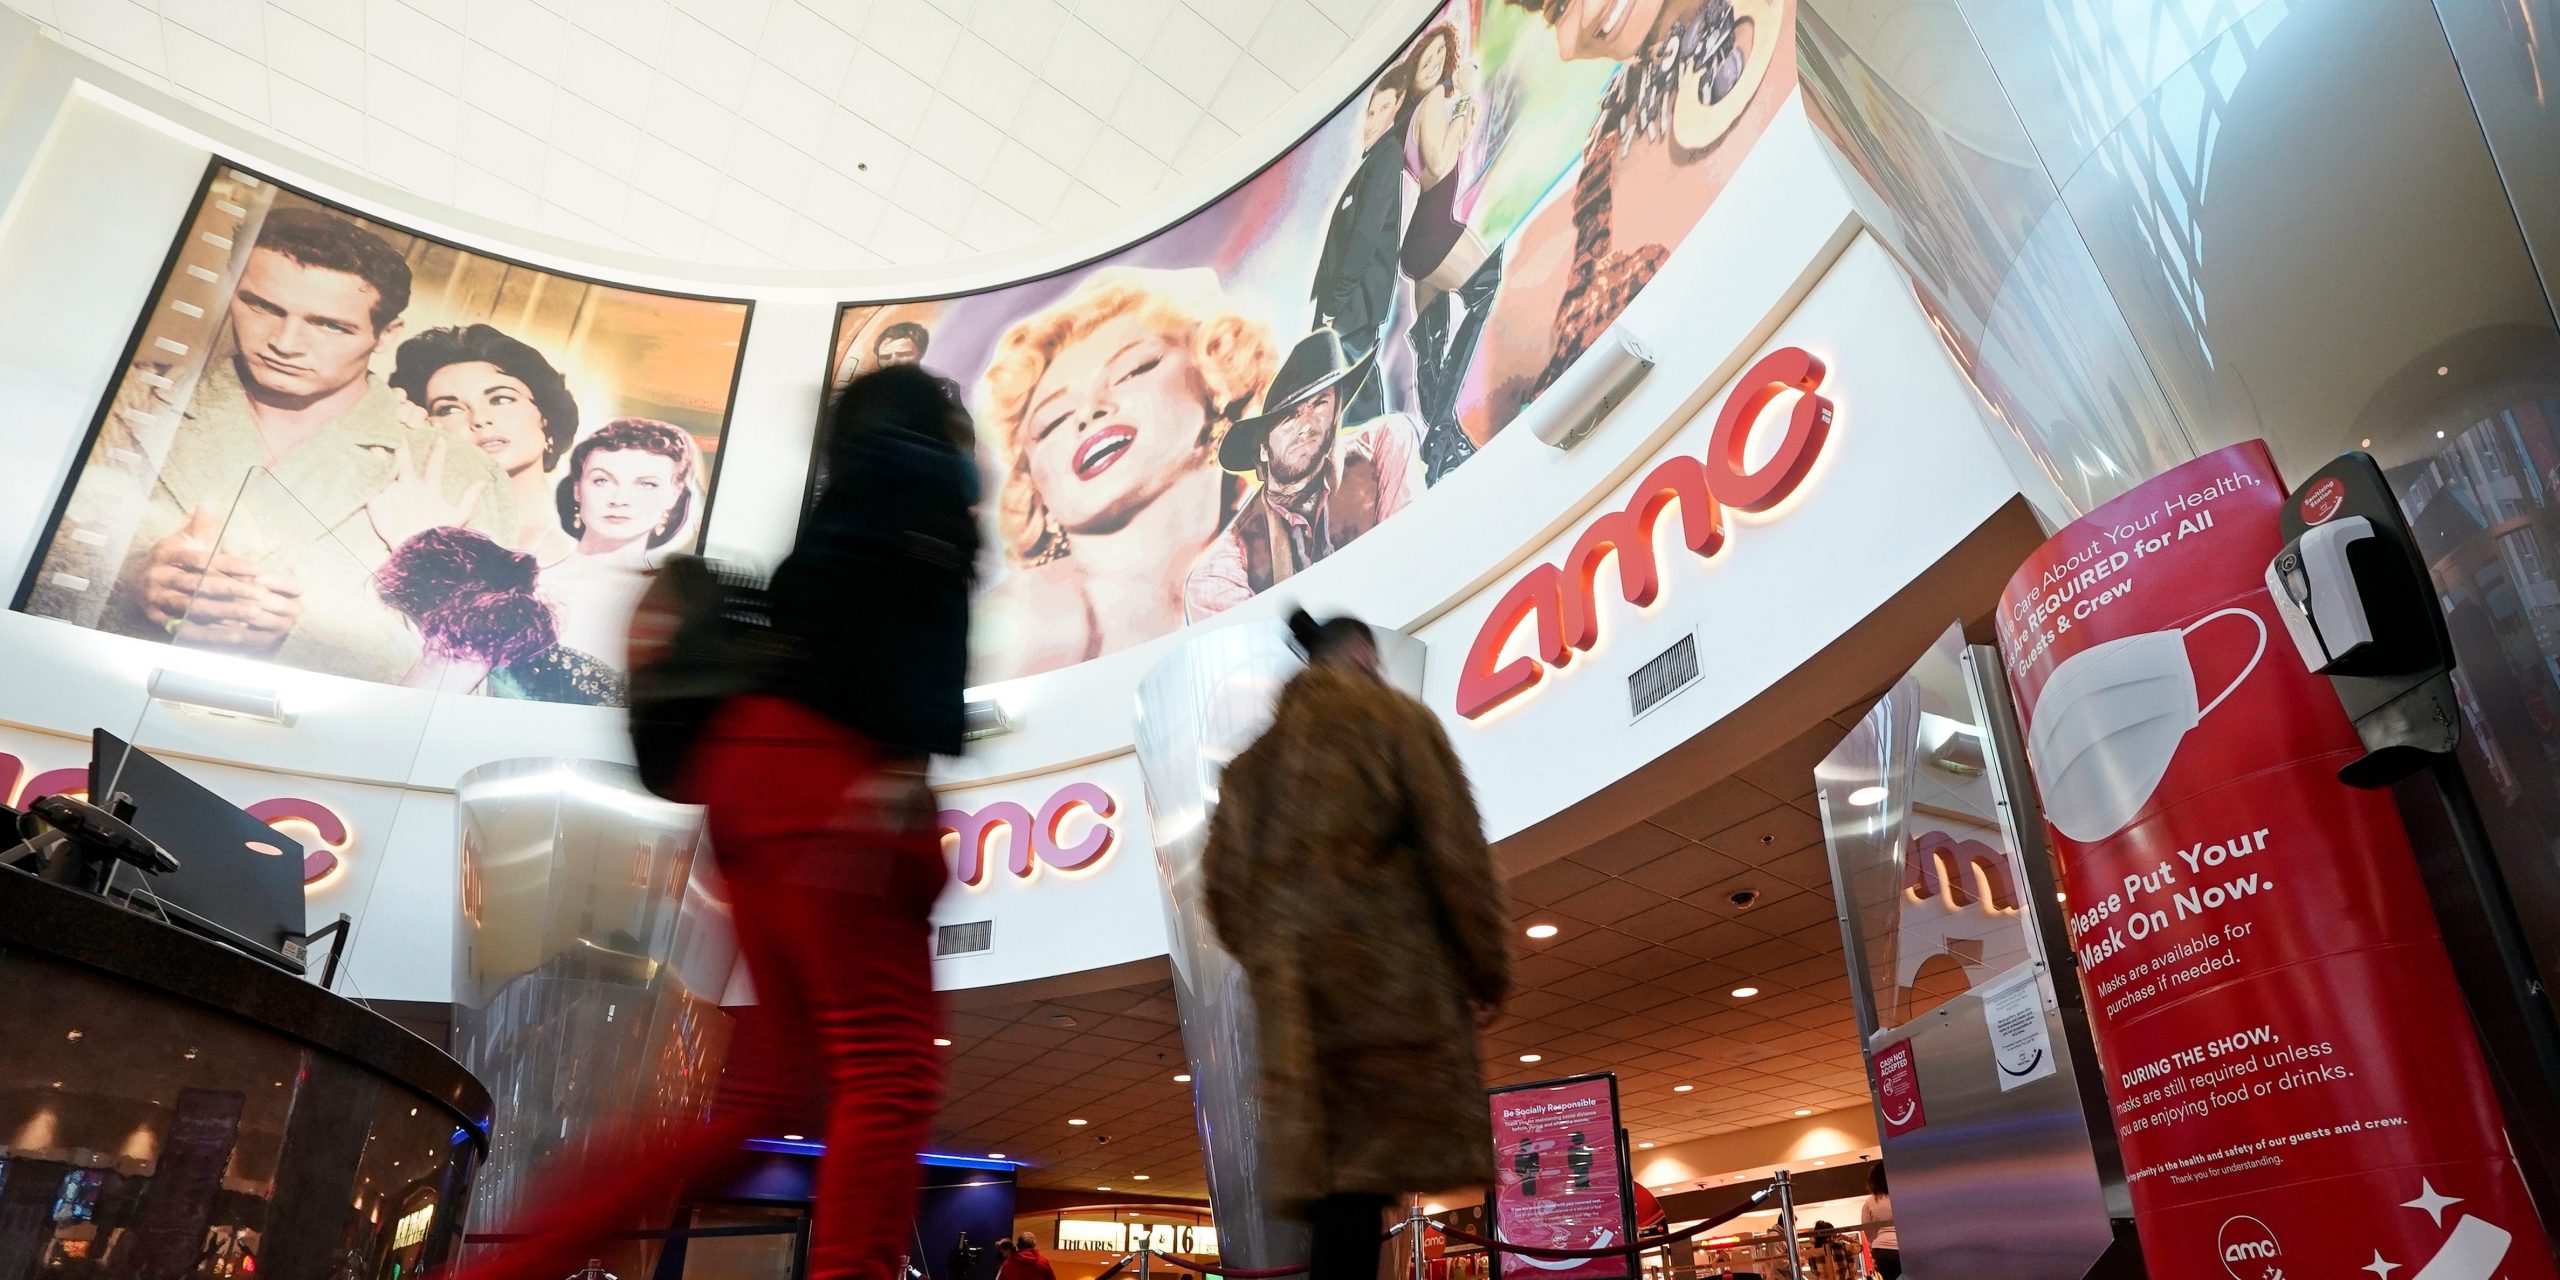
x=1496 y=1246
x=1620 y=1251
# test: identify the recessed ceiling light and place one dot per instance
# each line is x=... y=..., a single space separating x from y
x=1818 y=1164
x=1804 y=1111
x=1682 y=1088
x=1644 y=1146
x=1864 y=796
x=995 y=1155
x=2443 y=369
x=1102 y=1188
x=2439 y=435
x=1077 y=1122
x=2367 y=444
x=1533 y=1057
x=1542 y=931
x=793 y=1137
x=940 y=1043
x=1139 y=1176
x=1182 y=1079
x=1745 y=993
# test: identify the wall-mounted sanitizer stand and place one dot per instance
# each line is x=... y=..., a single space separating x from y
x=1991 y=1103
x=2361 y=608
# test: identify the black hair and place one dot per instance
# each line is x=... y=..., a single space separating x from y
x=636 y=435
x=1316 y=640
x=901 y=399
x=421 y=357
x=1875 y=1179
x=904 y=331
x=316 y=239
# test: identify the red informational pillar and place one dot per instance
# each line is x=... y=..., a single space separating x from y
x=2296 y=1083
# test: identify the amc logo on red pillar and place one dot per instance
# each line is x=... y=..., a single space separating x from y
x=1563 y=599
x=1071 y=831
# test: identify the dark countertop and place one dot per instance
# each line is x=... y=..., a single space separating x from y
x=96 y=934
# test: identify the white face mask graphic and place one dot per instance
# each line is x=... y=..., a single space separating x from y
x=2110 y=720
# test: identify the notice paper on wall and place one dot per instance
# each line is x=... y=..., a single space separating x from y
x=2013 y=1014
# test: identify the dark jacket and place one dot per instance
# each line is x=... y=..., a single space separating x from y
x=1355 y=281
x=1347 y=872
x=874 y=599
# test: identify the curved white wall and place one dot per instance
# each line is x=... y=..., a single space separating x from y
x=1909 y=474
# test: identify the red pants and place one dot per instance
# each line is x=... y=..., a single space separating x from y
x=833 y=865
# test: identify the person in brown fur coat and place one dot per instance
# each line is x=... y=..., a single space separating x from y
x=1347 y=872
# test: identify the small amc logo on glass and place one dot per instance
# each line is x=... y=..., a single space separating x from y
x=2250 y=1251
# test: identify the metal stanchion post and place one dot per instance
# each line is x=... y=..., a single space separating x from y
x=1413 y=1225
x=1146 y=1260
x=1787 y=1224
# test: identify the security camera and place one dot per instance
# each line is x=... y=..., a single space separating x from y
x=1743 y=898
x=1100 y=1139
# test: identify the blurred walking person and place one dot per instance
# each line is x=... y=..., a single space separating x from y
x=824 y=832
x=1347 y=872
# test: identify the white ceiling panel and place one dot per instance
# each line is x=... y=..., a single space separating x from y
x=814 y=134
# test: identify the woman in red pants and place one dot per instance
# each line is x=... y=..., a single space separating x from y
x=824 y=830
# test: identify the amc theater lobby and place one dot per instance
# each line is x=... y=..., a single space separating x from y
x=1360 y=639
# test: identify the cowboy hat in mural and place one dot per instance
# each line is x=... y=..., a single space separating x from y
x=1315 y=365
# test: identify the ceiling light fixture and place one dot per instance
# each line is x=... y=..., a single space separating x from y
x=2443 y=369
x=1804 y=1111
x=1075 y=1122
x=1864 y=796
x=1745 y=993
x=793 y=1137
x=1139 y=1176
x=1644 y=1146
x=1533 y=1057
x=1682 y=1088
x=1542 y=931
x=1182 y=1079
x=940 y=1043
x=995 y=1155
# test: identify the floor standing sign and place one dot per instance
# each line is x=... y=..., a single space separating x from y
x=2297 y=1086
x=1559 y=1181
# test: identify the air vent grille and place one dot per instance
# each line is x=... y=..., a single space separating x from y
x=965 y=939
x=1670 y=671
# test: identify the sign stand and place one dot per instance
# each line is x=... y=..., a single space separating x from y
x=1787 y=1221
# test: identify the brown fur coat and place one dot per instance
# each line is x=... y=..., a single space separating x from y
x=1347 y=872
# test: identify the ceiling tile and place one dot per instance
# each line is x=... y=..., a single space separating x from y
x=1716 y=808
x=1626 y=850
x=1775 y=830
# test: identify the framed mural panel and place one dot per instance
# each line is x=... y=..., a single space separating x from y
x=1172 y=428
x=346 y=446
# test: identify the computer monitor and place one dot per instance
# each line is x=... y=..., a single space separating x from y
x=238 y=880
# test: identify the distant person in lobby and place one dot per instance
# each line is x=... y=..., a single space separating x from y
x=824 y=833
x=1325 y=480
x=1348 y=874
x=1876 y=1219
x=1026 y=1262
x=291 y=578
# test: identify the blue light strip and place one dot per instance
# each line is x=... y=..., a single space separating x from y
x=932 y=1158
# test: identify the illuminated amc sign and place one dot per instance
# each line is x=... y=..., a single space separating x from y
x=1071 y=831
x=1087 y=1235
x=1563 y=599
x=324 y=835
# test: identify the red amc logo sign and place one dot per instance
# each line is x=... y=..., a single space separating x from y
x=1564 y=598
x=325 y=854
x=1031 y=839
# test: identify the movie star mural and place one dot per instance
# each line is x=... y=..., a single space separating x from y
x=1193 y=420
x=348 y=447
